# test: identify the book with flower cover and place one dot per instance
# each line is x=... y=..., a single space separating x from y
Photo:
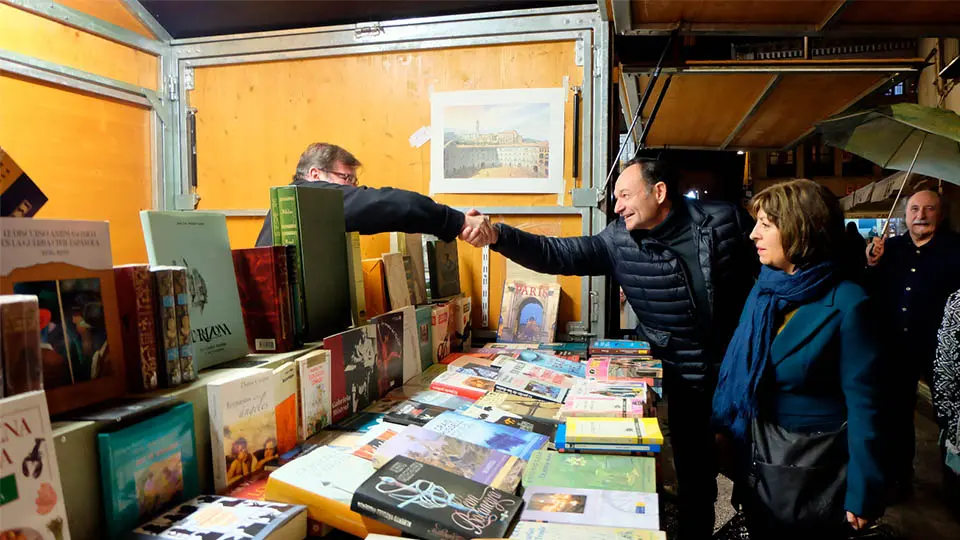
x=464 y=508
x=506 y=439
x=598 y=507
x=530 y=530
x=31 y=498
x=354 y=376
x=460 y=457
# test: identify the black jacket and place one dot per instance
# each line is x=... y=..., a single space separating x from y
x=656 y=283
x=371 y=211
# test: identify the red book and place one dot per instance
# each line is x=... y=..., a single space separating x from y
x=265 y=298
x=137 y=325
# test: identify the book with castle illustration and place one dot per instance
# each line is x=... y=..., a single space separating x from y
x=31 y=498
x=198 y=241
x=528 y=312
x=455 y=507
x=68 y=266
x=243 y=425
x=148 y=466
x=354 y=374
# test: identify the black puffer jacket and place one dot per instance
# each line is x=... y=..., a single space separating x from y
x=656 y=284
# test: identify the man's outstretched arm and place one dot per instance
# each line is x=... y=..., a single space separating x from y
x=574 y=256
x=371 y=211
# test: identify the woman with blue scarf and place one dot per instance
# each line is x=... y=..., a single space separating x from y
x=798 y=388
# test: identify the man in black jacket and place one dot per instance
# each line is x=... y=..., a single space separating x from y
x=686 y=268
x=371 y=211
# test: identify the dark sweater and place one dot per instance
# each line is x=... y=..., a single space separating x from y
x=377 y=210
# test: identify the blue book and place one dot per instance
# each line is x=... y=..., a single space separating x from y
x=563 y=365
x=199 y=242
x=506 y=439
x=148 y=467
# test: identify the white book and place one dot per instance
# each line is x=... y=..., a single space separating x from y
x=527 y=530
x=31 y=497
x=522 y=385
x=412 y=366
x=313 y=375
x=243 y=425
x=597 y=507
x=513 y=366
x=327 y=472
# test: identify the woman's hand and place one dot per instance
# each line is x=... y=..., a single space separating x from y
x=858 y=523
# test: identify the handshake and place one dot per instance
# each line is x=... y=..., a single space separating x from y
x=477 y=230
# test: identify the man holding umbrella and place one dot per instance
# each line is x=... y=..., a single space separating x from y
x=910 y=277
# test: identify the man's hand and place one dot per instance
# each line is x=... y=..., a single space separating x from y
x=875 y=251
x=477 y=230
x=858 y=523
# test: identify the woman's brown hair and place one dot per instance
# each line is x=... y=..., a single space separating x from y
x=808 y=216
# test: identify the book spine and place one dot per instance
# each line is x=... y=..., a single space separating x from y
x=288 y=217
x=358 y=300
x=20 y=367
x=188 y=366
x=169 y=354
x=274 y=222
x=281 y=270
x=135 y=297
x=432 y=269
x=219 y=464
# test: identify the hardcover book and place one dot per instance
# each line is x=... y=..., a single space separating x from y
x=354 y=375
x=463 y=458
x=243 y=426
x=315 y=391
x=19 y=195
x=525 y=386
x=528 y=312
x=188 y=366
x=374 y=287
x=618 y=347
x=444 y=264
x=390 y=352
x=265 y=296
x=358 y=303
x=588 y=471
x=20 y=367
x=312 y=220
x=285 y=408
x=146 y=467
x=463 y=385
x=524 y=407
x=528 y=530
x=556 y=363
x=506 y=439
x=439 y=331
x=398 y=289
x=137 y=315
x=324 y=481
x=212 y=516
x=465 y=509
x=285 y=222
x=67 y=265
x=31 y=499
x=199 y=242
x=425 y=336
x=591 y=507
x=166 y=302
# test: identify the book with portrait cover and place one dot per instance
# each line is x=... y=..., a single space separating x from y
x=68 y=266
x=464 y=508
x=494 y=415
x=354 y=377
x=460 y=457
x=528 y=312
x=198 y=241
x=147 y=467
x=31 y=498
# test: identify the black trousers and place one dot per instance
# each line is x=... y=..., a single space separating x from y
x=694 y=452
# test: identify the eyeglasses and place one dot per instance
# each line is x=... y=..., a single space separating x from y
x=346 y=177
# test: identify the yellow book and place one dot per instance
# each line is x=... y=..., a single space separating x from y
x=614 y=430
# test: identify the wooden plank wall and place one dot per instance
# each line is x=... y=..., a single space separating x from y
x=254 y=120
x=89 y=155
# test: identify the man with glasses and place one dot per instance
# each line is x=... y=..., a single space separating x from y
x=685 y=267
x=371 y=211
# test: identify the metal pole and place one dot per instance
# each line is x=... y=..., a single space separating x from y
x=653 y=113
x=906 y=178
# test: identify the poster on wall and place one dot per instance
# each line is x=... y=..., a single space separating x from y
x=497 y=141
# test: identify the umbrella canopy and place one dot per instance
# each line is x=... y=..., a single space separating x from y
x=889 y=136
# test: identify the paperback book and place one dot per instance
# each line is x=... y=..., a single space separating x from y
x=494 y=415
x=525 y=386
x=506 y=439
x=464 y=385
x=562 y=445
x=511 y=366
x=615 y=347
x=444 y=266
x=596 y=507
x=285 y=406
x=213 y=516
x=465 y=508
x=588 y=471
x=425 y=336
x=439 y=331
x=529 y=530
x=602 y=407
x=413 y=412
x=314 y=396
x=457 y=456
x=146 y=467
x=354 y=373
x=528 y=312
x=556 y=363
x=525 y=407
x=390 y=351
x=614 y=431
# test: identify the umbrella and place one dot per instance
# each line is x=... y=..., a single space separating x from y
x=903 y=136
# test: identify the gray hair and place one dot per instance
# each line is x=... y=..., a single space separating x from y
x=323 y=156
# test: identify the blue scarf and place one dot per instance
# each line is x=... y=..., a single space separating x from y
x=776 y=292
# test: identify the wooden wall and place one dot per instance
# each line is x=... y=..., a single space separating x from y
x=254 y=120
x=89 y=155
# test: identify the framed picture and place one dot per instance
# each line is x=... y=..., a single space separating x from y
x=497 y=141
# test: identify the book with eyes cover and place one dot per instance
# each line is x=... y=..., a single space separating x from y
x=434 y=504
